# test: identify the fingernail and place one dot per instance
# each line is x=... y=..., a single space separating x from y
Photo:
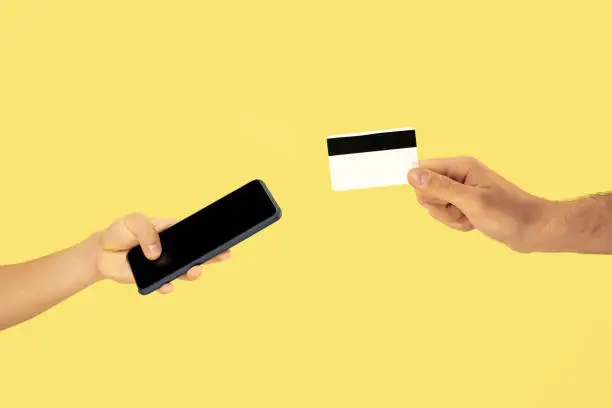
x=420 y=177
x=155 y=249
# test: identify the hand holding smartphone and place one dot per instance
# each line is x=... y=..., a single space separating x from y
x=205 y=234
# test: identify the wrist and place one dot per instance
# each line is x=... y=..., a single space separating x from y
x=557 y=229
x=543 y=231
x=87 y=253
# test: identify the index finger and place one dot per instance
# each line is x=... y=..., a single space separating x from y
x=456 y=168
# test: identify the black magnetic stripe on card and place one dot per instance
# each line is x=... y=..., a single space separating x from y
x=371 y=143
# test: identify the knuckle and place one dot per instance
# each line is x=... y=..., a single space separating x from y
x=427 y=200
x=471 y=161
x=454 y=214
x=441 y=182
x=482 y=199
x=479 y=196
x=139 y=221
x=444 y=215
x=142 y=228
x=134 y=219
x=459 y=226
x=132 y=216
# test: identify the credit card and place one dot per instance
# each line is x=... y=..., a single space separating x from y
x=371 y=159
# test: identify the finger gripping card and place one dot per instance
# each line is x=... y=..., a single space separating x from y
x=371 y=159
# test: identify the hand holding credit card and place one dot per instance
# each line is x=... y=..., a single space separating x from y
x=371 y=159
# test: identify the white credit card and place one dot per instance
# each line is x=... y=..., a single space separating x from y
x=371 y=159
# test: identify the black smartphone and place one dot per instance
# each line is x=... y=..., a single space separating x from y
x=205 y=234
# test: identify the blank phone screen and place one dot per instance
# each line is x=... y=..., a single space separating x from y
x=204 y=232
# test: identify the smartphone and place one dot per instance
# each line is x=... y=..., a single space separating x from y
x=205 y=234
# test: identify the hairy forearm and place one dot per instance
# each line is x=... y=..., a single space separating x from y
x=580 y=226
x=30 y=288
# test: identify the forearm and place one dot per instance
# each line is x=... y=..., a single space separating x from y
x=30 y=288
x=579 y=226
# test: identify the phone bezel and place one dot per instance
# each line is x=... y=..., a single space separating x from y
x=222 y=248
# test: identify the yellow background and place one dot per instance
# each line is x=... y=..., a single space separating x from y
x=354 y=299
